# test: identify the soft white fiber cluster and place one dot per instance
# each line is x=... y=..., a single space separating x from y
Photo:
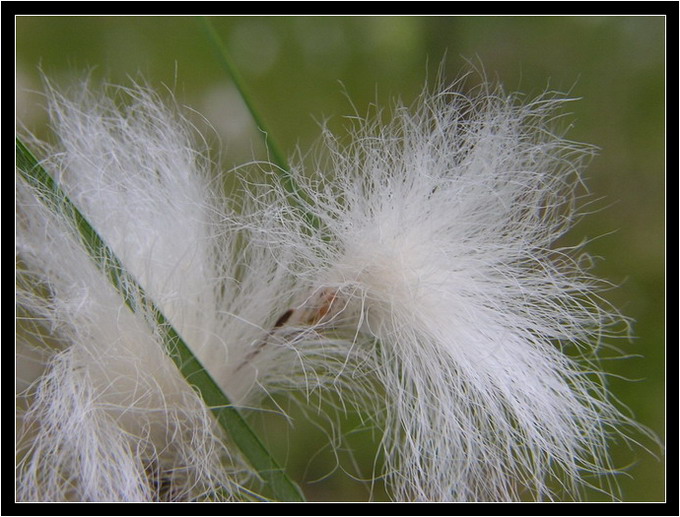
x=437 y=235
x=111 y=418
x=430 y=295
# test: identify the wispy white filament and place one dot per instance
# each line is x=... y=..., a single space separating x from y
x=111 y=418
x=437 y=237
x=431 y=295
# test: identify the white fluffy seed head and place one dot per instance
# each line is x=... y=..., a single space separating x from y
x=107 y=416
x=437 y=236
x=111 y=418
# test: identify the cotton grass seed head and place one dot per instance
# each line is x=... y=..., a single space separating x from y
x=108 y=417
x=111 y=418
x=439 y=243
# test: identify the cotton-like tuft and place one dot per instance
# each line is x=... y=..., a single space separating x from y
x=438 y=252
x=104 y=413
x=110 y=418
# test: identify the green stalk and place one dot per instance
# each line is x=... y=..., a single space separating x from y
x=283 y=170
x=51 y=194
x=225 y=60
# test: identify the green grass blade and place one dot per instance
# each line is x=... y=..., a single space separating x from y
x=225 y=59
x=283 y=170
x=51 y=194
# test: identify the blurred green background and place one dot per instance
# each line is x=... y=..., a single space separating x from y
x=301 y=70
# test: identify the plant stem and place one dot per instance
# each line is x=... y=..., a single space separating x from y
x=283 y=170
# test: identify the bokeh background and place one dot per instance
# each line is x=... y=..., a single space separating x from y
x=301 y=70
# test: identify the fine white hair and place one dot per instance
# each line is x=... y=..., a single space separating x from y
x=437 y=233
x=111 y=418
x=429 y=293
